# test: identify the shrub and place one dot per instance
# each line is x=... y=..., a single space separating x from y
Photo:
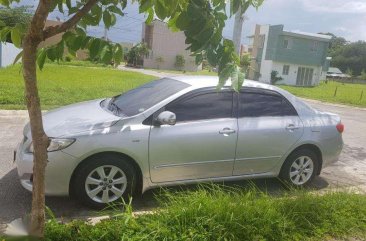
x=214 y=213
x=275 y=78
x=179 y=62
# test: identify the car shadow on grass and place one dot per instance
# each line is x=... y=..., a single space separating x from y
x=15 y=201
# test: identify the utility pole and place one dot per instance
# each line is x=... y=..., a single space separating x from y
x=238 y=27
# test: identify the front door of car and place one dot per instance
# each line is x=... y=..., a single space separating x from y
x=202 y=142
x=268 y=127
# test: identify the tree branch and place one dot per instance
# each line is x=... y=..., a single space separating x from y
x=53 y=30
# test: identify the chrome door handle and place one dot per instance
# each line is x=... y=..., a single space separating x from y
x=227 y=131
x=292 y=127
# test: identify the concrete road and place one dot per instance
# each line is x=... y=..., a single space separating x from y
x=15 y=201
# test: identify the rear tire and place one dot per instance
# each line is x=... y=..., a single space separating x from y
x=103 y=180
x=300 y=168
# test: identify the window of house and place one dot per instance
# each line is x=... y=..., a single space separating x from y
x=286 y=69
x=314 y=46
x=287 y=43
x=254 y=104
x=212 y=105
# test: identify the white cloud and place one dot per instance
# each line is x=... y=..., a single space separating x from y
x=335 y=6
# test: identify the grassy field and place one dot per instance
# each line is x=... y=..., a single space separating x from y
x=349 y=94
x=61 y=85
x=213 y=213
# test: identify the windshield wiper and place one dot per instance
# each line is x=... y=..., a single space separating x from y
x=115 y=107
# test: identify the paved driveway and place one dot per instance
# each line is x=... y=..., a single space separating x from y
x=15 y=201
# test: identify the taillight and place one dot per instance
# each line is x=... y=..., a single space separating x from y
x=340 y=127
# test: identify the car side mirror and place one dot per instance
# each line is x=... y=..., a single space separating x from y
x=166 y=118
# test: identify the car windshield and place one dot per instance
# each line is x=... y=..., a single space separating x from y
x=142 y=98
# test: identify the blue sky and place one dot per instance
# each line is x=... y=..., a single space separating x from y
x=346 y=18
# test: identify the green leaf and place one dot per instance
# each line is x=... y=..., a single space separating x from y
x=123 y=4
x=59 y=50
x=41 y=58
x=113 y=19
x=224 y=75
x=16 y=36
x=60 y=7
x=94 y=48
x=2 y=24
x=183 y=21
x=116 y=10
x=51 y=54
x=18 y=57
x=145 y=5
x=150 y=17
x=212 y=57
x=106 y=54
x=118 y=54
x=107 y=19
x=4 y=33
x=68 y=4
x=5 y=3
x=160 y=9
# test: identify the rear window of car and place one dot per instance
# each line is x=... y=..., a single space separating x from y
x=258 y=104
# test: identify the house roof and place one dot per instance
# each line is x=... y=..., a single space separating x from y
x=320 y=37
x=334 y=70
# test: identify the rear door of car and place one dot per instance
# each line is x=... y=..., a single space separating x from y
x=202 y=142
x=268 y=127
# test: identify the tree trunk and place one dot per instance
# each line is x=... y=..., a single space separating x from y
x=40 y=140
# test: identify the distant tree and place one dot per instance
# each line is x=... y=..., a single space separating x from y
x=179 y=62
x=159 y=60
x=352 y=56
x=135 y=55
x=336 y=43
x=363 y=74
x=275 y=78
x=245 y=60
x=12 y=17
x=349 y=72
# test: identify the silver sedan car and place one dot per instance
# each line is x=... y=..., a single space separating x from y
x=181 y=130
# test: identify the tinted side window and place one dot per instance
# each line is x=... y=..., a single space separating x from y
x=203 y=106
x=260 y=104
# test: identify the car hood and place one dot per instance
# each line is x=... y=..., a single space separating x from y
x=76 y=118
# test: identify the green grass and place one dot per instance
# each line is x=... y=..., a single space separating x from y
x=61 y=85
x=83 y=63
x=348 y=94
x=214 y=213
x=201 y=72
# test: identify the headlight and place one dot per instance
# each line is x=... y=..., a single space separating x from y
x=56 y=144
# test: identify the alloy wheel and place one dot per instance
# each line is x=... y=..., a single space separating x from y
x=301 y=170
x=105 y=184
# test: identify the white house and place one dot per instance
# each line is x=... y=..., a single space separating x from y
x=8 y=52
x=299 y=58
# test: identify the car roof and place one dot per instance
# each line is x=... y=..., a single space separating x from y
x=200 y=81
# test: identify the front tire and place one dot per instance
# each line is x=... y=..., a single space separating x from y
x=300 y=168
x=103 y=180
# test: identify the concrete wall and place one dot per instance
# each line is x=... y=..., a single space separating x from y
x=8 y=52
x=265 y=65
x=167 y=45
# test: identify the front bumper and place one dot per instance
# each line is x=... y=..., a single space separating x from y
x=59 y=169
